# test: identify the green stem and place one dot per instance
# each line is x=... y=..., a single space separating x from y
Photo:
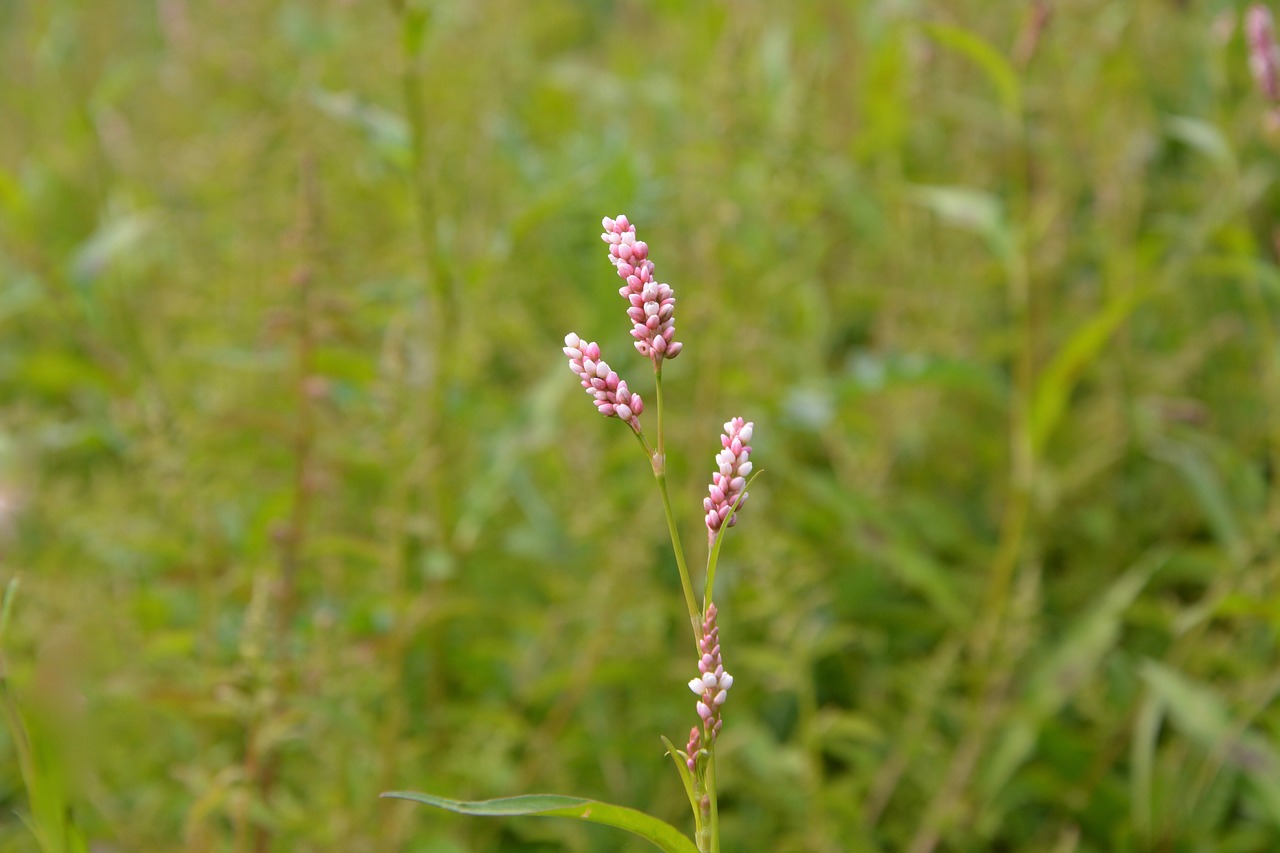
x=695 y=615
x=711 y=795
x=658 y=459
x=661 y=459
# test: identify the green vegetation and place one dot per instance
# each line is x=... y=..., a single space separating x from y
x=306 y=506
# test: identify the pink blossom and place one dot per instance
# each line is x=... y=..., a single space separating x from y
x=692 y=749
x=712 y=684
x=1264 y=56
x=728 y=482
x=612 y=397
x=652 y=304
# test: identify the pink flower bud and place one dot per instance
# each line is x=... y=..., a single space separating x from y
x=711 y=686
x=693 y=748
x=652 y=310
x=610 y=392
x=729 y=480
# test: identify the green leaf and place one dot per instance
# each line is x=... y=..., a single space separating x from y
x=1203 y=137
x=663 y=835
x=685 y=776
x=387 y=133
x=1065 y=670
x=972 y=210
x=981 y=53
x=414 y=28
x=919 y=571
x=1208 y=489
x=1200 y=713
x=114 y=239
x=1085 y=345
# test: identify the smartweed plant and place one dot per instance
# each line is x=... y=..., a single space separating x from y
x=651 y=308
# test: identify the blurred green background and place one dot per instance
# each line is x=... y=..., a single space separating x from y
x=306 y=505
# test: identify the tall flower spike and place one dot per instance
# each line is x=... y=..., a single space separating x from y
x=711 y=686
x=612 y=397
x=652 y=304
x=730 y=479
x=1264 y=55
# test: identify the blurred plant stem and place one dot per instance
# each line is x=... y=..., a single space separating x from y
x=427 y=480
x=51 y=820
x=262 y=759
x=993 y=667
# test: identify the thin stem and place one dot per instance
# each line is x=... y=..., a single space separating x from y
x=662 y=448
x=658 y=459
x=695 y=615
x=263 y=765
x=17 y=726
x=1016 y=540
x=711 y=796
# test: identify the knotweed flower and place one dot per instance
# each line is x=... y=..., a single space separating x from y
x=728 y=482
x=1264 y=56
x=711 y=686
x=612 y=397
x=653 y=304
x=692 y=748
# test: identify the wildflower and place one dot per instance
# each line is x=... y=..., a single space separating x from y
x=653 y=304
x=728 y=482
x=711 y=686
x=1264 y=56
x=612 y=397
x=692 y=749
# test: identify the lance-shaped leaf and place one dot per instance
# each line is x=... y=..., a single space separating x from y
x=663 y=835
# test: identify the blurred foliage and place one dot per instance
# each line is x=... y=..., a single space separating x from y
x=307 y=507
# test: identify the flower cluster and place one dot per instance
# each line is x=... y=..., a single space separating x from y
x=711 y=687
x=1264 y=56
x=653 y=304
x=612 y=397
x=728 y=482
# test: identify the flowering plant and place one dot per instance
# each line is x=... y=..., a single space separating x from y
x=651 y=309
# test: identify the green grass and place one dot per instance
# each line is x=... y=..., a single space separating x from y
x=308 y=506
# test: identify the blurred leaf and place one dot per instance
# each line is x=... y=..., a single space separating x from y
x=413 y=28
x=1059 y=378
x=1201 y=714
x=1203 y=137
x=39 y=758
x=992 y=62
x=386 y=132
x=1206 y=486
x=113 y=239
x=902 y=556
x=921 y=572
x=1142 y=757
x=20 y=293
x=663 y=835
x=971 y=210
x=1064 y=670
x=58 y=373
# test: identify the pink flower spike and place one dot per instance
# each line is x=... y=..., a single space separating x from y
x=652 y=304
x=730 y=478
x=612 y=396
x=1264 y=56
x=712 y=684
